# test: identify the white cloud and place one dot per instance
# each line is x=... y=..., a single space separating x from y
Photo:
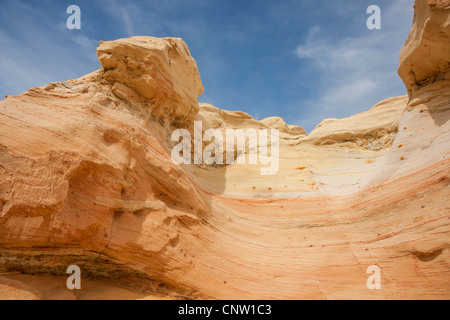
x=124 y=13
x=16 y=77
x=128 y=23
x=358 y=71
x=37 y=48
x=86 y=45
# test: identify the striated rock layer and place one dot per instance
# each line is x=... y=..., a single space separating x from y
x=86 y=178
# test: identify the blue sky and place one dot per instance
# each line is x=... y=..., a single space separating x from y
x=301 y=60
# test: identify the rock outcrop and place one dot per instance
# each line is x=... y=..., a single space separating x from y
x=87 y=179
x=155 y=74
x=425 y=58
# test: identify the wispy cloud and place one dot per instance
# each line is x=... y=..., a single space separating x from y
x=357 y=71
x=37 y=47
x=125 y=13
x=87 y=46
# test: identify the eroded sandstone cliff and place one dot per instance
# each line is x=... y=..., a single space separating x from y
x=86 y=178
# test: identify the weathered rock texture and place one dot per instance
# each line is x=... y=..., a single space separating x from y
x=425 y=58
x=86 y=178
x=156 y=71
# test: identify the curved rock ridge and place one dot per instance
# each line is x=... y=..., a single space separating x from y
x=87 y=178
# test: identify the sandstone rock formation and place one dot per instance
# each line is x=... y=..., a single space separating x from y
x=425 y=58
x=87 y=179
